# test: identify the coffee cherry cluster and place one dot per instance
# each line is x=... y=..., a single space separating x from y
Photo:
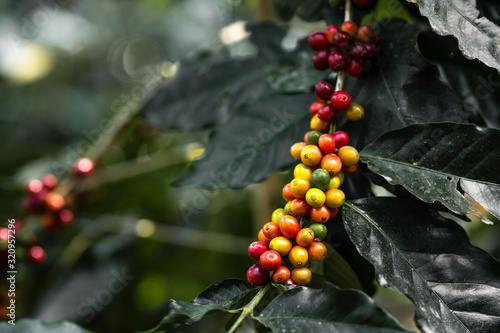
x=285 y=246
x=43 y=200
x=352 y=47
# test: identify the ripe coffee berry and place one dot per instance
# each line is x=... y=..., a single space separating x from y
x=34 y=186
x=256 y=249
x=326 y=113
x=289 y=226
x=36 y=255
x=358 y=51
x=323 y=90
x=341 y=138
x=281 y=244
x=84 y=167
x=317 y=251
x=257 y=276
x=281 y=275
x=340 y=100
x=270 y=260
x=320 y=214
x=298 y=256
x=337 y=60
x=313 y=109
x=299 y=207
x=354 y=112
x=287 y=194
x=350 y=28
x=370 y=50
x=54 y=201
x=365 y=33
x=333 y=212
x=356 y=67
x=326 y=143
x=301 y=276
x=305 y=237
x=49 y=182
x=331 y=163
x=348 y=155
x=271 y=230
x=317 y=41
x=341 y=40
x=320 y=59
x=330 y=31
x=319 y=124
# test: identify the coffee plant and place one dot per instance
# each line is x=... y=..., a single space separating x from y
x=383 y=127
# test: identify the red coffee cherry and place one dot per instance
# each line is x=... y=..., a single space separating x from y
x=329 y=32
x=320 y=214
x=313 y=109
x=262 y=238
x=371 y=49
x=362 y=3
x=270 y=260
x=84 y=167
x=356 y=67
x=286 y=193
x=299 y=207
x=341 y=40
x=327 y=112
x=337 y=60
x=340 y=100
x=36 y=255
x=257 y=276
x=34 y=186
x=323 y=90
x=49 y=182
x=358 y=51
x=54 y=201
x=317 y=41
x=331 y=163
x=341 y=138
x=281 y=275
x=256 y=249
x=365 y=33
x=320 y=59
x=317 y=251
x=326 y=143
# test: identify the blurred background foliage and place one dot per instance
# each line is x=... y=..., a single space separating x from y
x=65 y=68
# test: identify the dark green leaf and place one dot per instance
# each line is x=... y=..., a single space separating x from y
x=254 y=143
x=477 y=36
x=38 y=326
x=454 y=284
x=338 y=271
x=327 y=310
x=403 y=88
x=430 y=159
x=204 y=91
x=216 y=298
x=294 y=72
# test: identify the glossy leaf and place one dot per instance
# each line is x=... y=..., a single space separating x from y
x=429 y=160
x=35 y=325
x=216 y=298
x=253 y=144
x=454 y=284
x=207 y=88
x=477 y=36
x=402 y=88
x=338 y=271
x=327 y=310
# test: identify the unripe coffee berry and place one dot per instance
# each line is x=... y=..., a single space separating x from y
x=262 y=238
x=317 y=251
x=305 y=237
x=350 y=28
x=281 y=244
x=365 y=33
x=301 y=276
x=302 y=170
x=278 y=214
x=299 y=187
x=298 y=256
x=271 y=230
x=331 y=163
x=287 y=194
x=354 y=112
x=315 y=197
x=319 y=124
x=311 y=155
x=296 y=149
x=319 y=229
x=299 y=207
x=348 y=155
x=320 y=214
x=289 y=226
x=320 y=179
x=313 y=136
x=334 y=198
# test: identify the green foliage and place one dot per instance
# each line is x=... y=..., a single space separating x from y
x=38 y=326
x=453 y=283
